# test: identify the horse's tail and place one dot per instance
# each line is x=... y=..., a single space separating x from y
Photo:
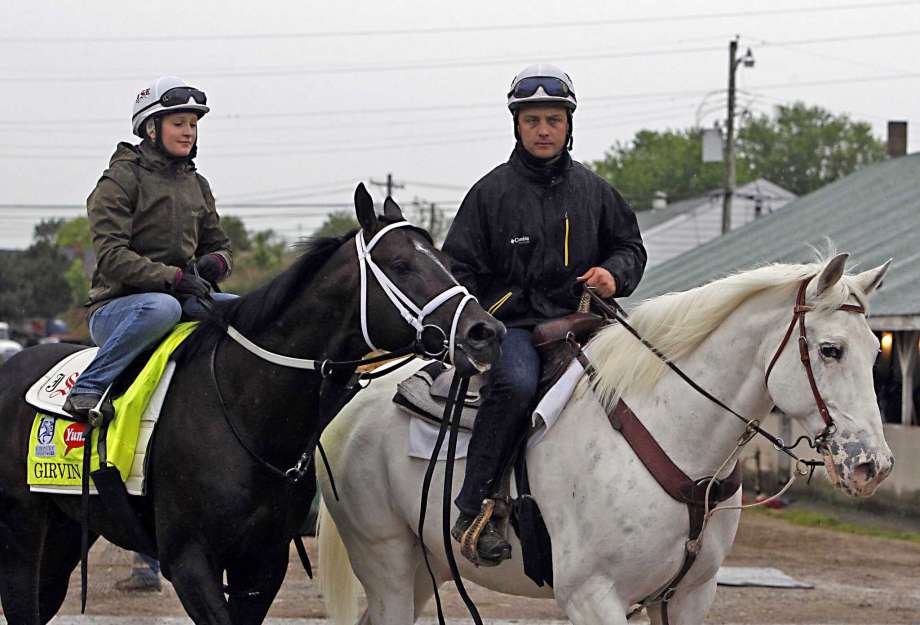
x=336 y=580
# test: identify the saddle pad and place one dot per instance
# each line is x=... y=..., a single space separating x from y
x=57 y=445
x=47 y=395
x=423 y=429
x=416 y=395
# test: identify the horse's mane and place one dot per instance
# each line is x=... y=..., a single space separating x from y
x=677 y=323
x=261 y=306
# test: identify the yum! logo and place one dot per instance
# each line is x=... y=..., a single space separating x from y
x=74 y=436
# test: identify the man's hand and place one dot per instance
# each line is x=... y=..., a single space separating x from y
x=602 y=281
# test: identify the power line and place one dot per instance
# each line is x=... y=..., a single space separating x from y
x=355 y=69
x=265 y=71
x=435 y=30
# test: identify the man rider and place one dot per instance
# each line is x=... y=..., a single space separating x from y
x=527 y=236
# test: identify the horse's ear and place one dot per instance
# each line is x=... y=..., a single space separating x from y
x=871 y=279
x=391 y=209
x=364 y=209
x=831 y=273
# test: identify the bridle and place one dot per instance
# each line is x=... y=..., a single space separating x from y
x=412 y=314
x=441 y=347
x=798 y=317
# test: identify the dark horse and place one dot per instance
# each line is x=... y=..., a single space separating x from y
x=210 y=507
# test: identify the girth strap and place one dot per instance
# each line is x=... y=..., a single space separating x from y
x=678 y=486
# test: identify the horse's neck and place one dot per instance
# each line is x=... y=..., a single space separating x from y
x=269 y=397
x=697 y=434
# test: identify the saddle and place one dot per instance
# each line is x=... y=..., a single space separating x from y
x=424 y=394
x=558 y=341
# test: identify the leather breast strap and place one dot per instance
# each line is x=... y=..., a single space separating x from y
x=678 y=485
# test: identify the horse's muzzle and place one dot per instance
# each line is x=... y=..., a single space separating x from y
x=480 y=346
x=855 y=466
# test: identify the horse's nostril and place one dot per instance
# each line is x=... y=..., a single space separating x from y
x=481 y=332
x=865 y=472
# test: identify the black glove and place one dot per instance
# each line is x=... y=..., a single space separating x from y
x=211 y=267
x=187 y=283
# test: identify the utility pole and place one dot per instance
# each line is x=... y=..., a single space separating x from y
x=729 y=184
x=389 y=184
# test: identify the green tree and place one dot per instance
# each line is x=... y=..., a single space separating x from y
x=266 y=251
x=800 y=148
x=669 y=161
x=74 y=234
x=337 y=223
x=239 y=238
x=32 y=283
x=803 y=148
x=46 y=230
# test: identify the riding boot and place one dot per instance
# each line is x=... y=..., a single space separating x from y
x=491 y=547
x=500 y=423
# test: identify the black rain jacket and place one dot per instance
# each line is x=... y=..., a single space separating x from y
x=526 y=231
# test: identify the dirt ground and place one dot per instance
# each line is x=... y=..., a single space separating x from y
x=857 y=579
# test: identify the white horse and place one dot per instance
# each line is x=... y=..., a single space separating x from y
x=617 y=537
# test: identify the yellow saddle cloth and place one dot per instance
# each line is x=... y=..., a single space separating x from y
x=56 y=445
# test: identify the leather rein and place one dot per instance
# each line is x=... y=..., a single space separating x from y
x=699 y=495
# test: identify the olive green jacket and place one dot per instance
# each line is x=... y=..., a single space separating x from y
x=149 y=216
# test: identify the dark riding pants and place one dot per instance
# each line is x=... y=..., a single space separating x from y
x=502 y=419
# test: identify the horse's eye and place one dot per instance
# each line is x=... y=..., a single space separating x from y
x=400 y=266
x=831 y=352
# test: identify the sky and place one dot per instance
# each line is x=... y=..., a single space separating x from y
x=308 y=99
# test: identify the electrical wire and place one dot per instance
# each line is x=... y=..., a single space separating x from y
x=138 y=38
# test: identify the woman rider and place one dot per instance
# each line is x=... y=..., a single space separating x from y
x=157 y=237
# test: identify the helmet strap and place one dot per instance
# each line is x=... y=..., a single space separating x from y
x=570 y=141
x=158 y=142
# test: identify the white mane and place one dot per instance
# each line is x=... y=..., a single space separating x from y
x=677 y=323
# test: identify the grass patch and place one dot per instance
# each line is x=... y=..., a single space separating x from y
x=807 y=518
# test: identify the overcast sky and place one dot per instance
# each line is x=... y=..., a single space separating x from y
x=309 y=98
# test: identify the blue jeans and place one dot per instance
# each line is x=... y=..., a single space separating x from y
x=125 y=327
x=502 y=418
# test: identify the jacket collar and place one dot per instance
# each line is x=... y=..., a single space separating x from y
x=537 y=170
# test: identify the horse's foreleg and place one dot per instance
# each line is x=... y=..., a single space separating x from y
x=254 y=581
x=198 y=581
x=60 y=556
x=592 y=601
x=23 y=521
x=688 y=606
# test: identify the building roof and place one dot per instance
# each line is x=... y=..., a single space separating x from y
x=773 y=194
x=874 y=214
x=684 y=225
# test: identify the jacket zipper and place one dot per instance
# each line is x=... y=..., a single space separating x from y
x=567 y=239
x=494 y=307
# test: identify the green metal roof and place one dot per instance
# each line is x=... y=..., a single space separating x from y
x=874 y=214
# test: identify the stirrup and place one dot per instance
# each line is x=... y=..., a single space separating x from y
x=103 y=411
x=469 y=540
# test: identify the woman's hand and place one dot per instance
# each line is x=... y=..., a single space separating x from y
x=211 y=267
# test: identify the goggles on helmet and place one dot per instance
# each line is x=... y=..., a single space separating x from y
x=551 y=86
x=178 y=96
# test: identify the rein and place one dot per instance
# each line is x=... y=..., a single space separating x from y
x=617 y=313
x=701 y=513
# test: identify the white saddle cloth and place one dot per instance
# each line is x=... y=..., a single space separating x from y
x=423 y=434
x=47 y=395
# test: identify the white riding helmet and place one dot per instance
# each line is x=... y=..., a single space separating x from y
x=542 y=83
x=167 y=93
